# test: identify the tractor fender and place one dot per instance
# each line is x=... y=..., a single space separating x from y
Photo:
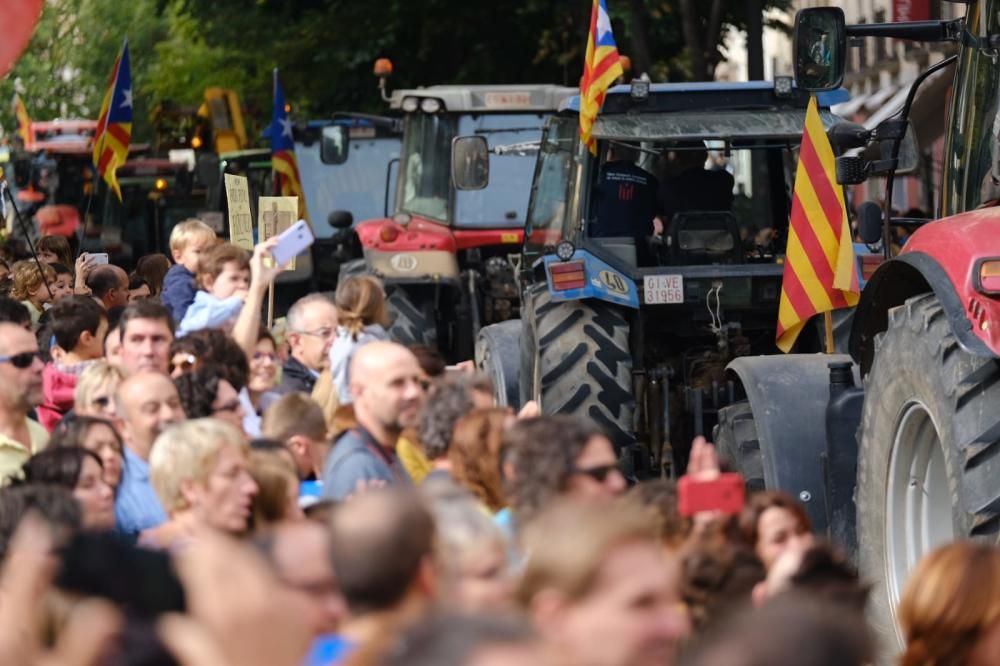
x=788 y=396
x=897 y=280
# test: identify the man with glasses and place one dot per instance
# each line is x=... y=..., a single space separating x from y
x=20 y=392
x=312 y=327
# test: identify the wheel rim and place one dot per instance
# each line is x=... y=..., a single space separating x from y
x=918 y=502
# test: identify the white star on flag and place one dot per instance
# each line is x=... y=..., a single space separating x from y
x=286 y=126
x=603 y=23
x=127 y=94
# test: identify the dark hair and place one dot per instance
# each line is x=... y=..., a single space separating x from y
x=198 y=390
x=543 y=452
x=264 y=334
x=430 y=359
x=57 y=245
x=7 y=287
x=58 y=465
x=225 y=355
x=55 y=503
x=13 y=311
x=380 y=540
x=115 y=316
x=145 y=309
x=73 y=315
x=136 y=281
x=760 y=502
x=61 y=269
x=449 y=399
x=71 y=431
x=823 y=573
x=189 y=344
x=102 y=280
x=153 y=268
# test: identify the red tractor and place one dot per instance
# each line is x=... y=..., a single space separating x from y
x=446 y=254
x=912 y=459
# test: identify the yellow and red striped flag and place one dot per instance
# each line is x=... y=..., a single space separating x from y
x=820 y=266
x=114 y=124
x=283 y=162
x=23 y=121
x=601 y=66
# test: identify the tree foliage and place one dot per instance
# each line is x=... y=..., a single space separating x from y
x=325 y=48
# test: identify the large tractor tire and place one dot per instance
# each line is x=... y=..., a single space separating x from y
x=498 y=355
x=738 y=445
x=929 y=456
x=414 y=321
x=582 y=364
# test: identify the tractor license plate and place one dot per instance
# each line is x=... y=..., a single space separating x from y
x=663 y=288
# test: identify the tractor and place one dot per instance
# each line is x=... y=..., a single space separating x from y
x=896 y=447
x=445 y=252
x=635 y=331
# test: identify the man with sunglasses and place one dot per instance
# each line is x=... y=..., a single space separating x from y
x=20 y=392
x=312 y=327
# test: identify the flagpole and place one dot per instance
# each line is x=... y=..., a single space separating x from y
x=828 y=325
x=274 y=186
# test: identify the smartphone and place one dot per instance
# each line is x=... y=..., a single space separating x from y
x=292 y=242
x=99 y=257
x=724 y=494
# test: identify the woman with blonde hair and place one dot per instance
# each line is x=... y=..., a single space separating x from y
x=950 y=610
x=362 y=317
x=474 y=454
x=95 y=390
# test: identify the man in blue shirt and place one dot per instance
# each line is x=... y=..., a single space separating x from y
x=146 y=403
x=387 y=386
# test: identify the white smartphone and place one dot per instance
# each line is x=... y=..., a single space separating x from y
x=99 y=257
x=292 y=242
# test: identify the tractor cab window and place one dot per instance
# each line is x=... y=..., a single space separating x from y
x=425 y=170
x=555 y=172
x=692 y=201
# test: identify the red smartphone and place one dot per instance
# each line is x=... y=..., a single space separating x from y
x=725 y=494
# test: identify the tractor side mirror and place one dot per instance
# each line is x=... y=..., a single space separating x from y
x=820 y=48
x=340 y=219
x=870 y=222
x=470 y=162
x=334 y=144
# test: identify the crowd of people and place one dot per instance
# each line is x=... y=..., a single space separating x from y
x=182 y=485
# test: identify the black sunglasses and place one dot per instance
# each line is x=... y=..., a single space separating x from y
x=22 y=360
x=599 y=473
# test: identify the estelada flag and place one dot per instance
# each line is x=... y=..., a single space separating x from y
x=283 y=161
x=601 y=66
x=114 y=124
x=23 y=121
x=820 y=266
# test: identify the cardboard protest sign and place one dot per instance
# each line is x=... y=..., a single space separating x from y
x=240 y=217
x=275 y=214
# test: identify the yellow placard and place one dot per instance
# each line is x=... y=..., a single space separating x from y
x=274 y=215
x=240 y=217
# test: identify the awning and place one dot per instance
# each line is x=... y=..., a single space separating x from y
x=850 y=107
x=927 y=114
x=889 y=108
x=878 y=98
x=782 y=125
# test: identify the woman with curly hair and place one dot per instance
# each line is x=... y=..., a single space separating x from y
x=474 y=454
x=206 y=393
x=555 y=456
x=31 y=286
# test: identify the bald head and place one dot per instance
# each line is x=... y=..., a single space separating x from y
x=109 y=284
x=145 y=404
x=388 y=389
x=380 y=540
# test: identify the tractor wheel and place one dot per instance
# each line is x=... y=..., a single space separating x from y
x=413 y=318
x=583 y=364
x=498 y=355
x=737 y=444
x=928 y=455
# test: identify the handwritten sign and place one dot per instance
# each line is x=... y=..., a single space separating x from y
x=240 y=217
x=275 y=214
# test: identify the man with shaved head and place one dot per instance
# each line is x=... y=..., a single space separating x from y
x=20 y=392
x=386 y=383
x=145 y=404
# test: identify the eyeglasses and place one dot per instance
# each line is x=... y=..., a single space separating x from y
x=22 y=360
x=325 y=333
x=184 y=365
x=599 y=473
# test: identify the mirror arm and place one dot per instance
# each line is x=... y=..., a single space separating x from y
x=917 y=31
